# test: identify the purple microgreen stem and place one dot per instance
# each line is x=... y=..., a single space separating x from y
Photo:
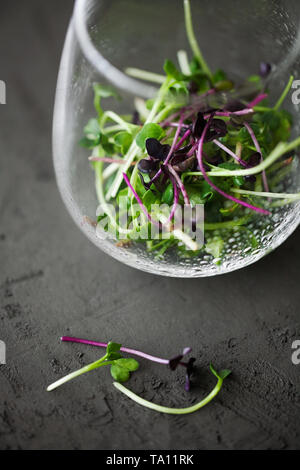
x=257 y=100
x=139 y=201
x=108 y=160
x=232 y=154
x=176 y=199
x=180 y=184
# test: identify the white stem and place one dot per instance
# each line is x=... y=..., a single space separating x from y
x=164 y=409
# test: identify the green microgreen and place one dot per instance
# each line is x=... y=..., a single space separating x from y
x=178 y=411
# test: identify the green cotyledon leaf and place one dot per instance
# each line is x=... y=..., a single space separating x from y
x=121 y=369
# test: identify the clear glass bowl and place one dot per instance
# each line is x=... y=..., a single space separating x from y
x=105 y=37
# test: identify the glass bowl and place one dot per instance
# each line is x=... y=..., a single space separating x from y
x=105 y=37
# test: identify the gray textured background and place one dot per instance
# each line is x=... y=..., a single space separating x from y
x=54 y=282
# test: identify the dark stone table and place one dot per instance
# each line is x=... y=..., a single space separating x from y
x=54 y=282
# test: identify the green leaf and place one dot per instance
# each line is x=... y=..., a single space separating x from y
x=195 y=194
x=123 y=200
x=171 y=71
x=108 y=147
x=115 y=356
x=195 y=66
x=213 y=370
x=168 y=195
x=207 y=191
x=112 y=348
x=222 y=375
x=224 y=85
x=238 y=180
x=123 y=140
x=149 y=131
x=177 y=96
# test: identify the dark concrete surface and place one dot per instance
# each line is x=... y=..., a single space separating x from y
x=54 y=282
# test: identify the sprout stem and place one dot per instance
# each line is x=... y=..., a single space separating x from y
x=232 y=154
x=209 y=181
x=125 y=350
x=166 y=410
x=278 y=151
x=292 y=197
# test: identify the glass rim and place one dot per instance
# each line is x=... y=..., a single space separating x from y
x=100 y=63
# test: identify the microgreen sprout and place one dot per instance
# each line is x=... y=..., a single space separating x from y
x=121 y=368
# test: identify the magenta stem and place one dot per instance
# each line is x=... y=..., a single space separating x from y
x=125 y=350
x=176 y=124
x=257 y=100
x=167 y=121
x=257 y=146
x=201 y=165
x=176 y=199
